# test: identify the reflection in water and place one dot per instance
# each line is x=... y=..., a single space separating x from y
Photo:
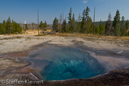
x=60 y=63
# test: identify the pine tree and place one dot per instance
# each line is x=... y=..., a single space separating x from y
x=45 y=24
x=87 y=12
x=83 y=22
x=9 y=26
x=70 y=16
x=127 y=28
x=16 y=28
x=79 y=18
x=60 y=22
x=87 y=16
x=4 y=27
x=127 y=24
x=55 y=25
x=100 y=25
x=41 y=24
x=19 y=29
x=89 y=23
x=13 y=26
x=1 y=29
x=97 y=29
x=102 y=28
x=70 y=21
x=78 y=24
x=64 y=26
x=108 y=26
x=91 y=28
x=123 y=27
x=116 y=24
x=117 y=30
x=73 y=24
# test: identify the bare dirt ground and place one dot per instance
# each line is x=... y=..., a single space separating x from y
x=18 y=43
x=118 y=48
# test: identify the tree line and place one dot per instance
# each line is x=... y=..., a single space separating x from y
x=43 y=25
x=84 y=24
x=10 y=27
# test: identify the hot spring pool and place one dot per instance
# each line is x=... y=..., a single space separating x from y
x=61 y=63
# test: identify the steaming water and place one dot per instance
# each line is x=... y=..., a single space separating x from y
x=61 y=63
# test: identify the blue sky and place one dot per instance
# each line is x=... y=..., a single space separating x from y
x=26 y=10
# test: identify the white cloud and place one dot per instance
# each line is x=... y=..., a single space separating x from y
x=85 y=2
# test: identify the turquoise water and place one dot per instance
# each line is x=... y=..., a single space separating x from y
x=61 y=63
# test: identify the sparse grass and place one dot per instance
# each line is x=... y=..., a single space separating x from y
x=86 y=35
x=89 y=35
x=18 y=37
x=33 y=30
x=63 y=34
x=28 y=38
x=41 y=35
